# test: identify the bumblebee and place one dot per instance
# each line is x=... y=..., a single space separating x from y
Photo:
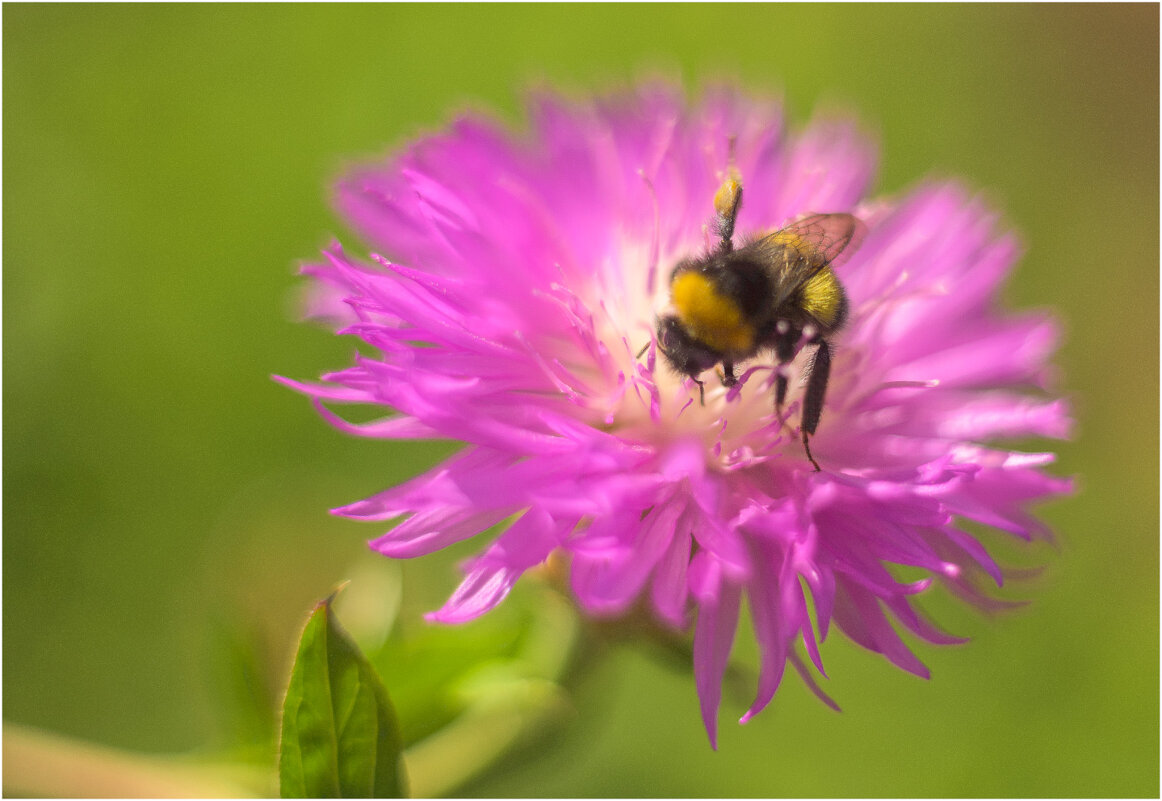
x=768 y=294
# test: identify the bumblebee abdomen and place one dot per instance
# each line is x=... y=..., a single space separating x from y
x=823 y=298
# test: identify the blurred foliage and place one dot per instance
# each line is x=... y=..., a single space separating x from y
x=165 y=169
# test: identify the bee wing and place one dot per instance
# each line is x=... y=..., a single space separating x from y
x=807 y=245
x=836 y=236
x=819 y=239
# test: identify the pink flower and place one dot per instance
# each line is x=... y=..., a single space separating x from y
x=522 y=275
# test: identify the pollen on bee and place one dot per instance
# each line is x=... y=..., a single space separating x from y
x=726 y=198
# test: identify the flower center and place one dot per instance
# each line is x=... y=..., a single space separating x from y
x=643 y=399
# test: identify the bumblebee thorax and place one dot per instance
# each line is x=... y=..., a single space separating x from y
x=712 y=316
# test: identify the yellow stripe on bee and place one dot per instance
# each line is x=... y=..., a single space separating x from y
x=713 y=319
x=821 y=296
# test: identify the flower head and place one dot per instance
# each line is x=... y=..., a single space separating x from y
x=512 y=302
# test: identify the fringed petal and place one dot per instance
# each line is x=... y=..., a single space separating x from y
x=713 y=638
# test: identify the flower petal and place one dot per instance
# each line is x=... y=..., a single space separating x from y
x=527 y=542
x=713 y=638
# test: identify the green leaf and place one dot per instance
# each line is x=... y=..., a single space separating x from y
x=340 y=737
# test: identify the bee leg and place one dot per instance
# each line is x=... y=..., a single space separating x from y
x=728 y=377
x=784 y=353
x=807 y=449
x=813 y=401
x=701 y=390
x=726 y=202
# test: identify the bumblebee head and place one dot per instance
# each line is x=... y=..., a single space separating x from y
x=683 y=352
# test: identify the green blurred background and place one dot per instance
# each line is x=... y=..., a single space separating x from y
x=165 y=170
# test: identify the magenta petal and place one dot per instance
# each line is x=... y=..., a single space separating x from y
x=771 y=624
x=387 y=428
x=669 y=591
x=918 y=625
x=713 y=638
x=809 y=680
x=607 y=582
x=432 y=530
x=858 y=613
x=527 y=542
x=481 y=590
x=809 y=641
x=812 y=184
